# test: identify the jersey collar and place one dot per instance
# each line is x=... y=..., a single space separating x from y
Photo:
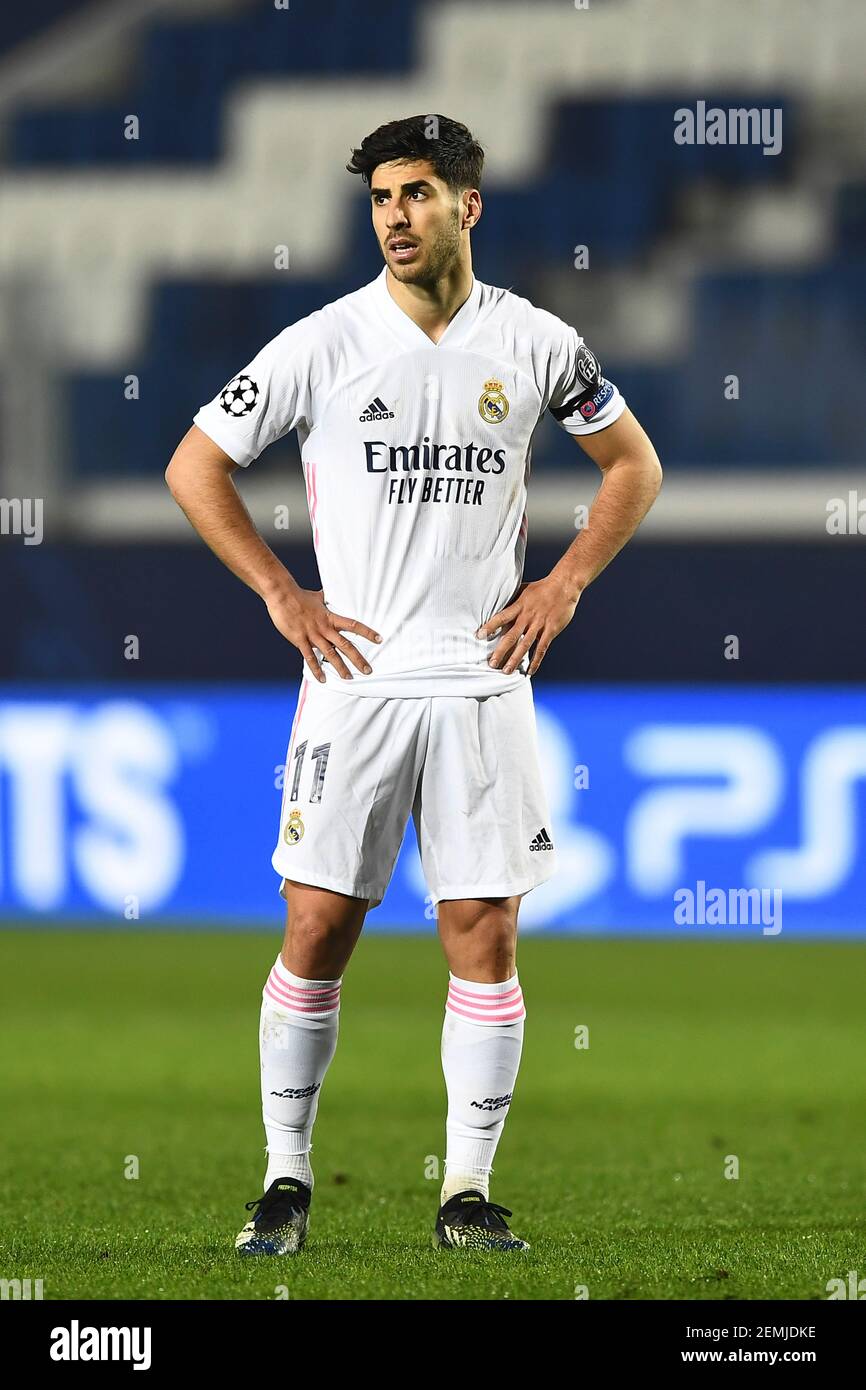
x=408 y=331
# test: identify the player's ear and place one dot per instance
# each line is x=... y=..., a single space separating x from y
x=471 y=200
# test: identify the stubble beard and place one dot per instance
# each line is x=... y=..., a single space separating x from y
x=441 y=253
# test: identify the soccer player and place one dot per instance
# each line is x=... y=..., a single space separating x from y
x=415 y=399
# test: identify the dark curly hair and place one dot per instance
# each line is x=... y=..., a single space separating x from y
x=456 y=156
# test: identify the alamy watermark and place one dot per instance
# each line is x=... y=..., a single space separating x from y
x=738 y=125
x=22 y=516
x=18 y=1289
x=846 y=516
x=717 y=907
x=854 y=1288
x=77 y=1343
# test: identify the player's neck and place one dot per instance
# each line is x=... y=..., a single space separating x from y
x=433 y=307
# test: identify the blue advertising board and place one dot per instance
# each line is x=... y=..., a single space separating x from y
x=684 y=812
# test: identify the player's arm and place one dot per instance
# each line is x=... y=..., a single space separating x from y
x=199 y=477
x=631 y=478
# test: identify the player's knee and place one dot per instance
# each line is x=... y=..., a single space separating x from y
x=321 y=927
x=307 y=928
x=494 y=918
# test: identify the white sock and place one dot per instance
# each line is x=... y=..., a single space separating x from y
x=297 y=1040
x=482 y=1039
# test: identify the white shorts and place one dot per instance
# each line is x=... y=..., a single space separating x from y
x=465 y=767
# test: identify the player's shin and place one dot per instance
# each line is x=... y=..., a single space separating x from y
x=482 y=1041
x=297 y=1040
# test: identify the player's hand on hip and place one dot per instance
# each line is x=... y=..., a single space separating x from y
x=303 y=619
x=534 y=617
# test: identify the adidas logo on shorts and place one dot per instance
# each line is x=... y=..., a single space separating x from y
x=376 y=410
x=542 y=840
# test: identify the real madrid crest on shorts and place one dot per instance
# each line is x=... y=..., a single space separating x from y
x=294 y=830
x=492 y=404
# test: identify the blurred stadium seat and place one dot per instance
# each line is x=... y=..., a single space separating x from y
x=150 y=262
x=248 y=154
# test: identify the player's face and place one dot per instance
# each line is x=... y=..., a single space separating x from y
x=417 y=219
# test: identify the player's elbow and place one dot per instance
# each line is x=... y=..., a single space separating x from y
x=171 y=473
x=655 y=471
x=644 y=454
x=176 y=472
x=649 y=464
x=643 y=466
x=197 y=461
x=178 y=466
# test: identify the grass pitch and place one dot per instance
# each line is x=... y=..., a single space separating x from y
x=613 y=1157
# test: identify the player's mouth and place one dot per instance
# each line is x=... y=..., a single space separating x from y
x=401 y=249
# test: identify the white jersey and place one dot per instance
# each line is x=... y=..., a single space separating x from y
x=416 y=458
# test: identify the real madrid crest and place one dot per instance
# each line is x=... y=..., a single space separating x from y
x=294 y=830
x=492 y=404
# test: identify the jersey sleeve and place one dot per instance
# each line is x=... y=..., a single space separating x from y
x=581 y=399
x=270 y=397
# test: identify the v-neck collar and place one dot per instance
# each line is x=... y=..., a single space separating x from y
x=410 y=333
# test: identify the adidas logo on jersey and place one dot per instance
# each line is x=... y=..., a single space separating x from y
x=542 y=840
x=376 y=410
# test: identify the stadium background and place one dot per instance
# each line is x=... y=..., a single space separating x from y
x=145 y=700
x=138 y=274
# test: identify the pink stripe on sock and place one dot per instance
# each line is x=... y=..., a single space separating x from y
x=498 y=1009
x=505 y=1017
x=327 y=992
x=485 y=1001
x=482 y=1007
x=295 y=1008
x=299 y=1000
x=297 y=996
